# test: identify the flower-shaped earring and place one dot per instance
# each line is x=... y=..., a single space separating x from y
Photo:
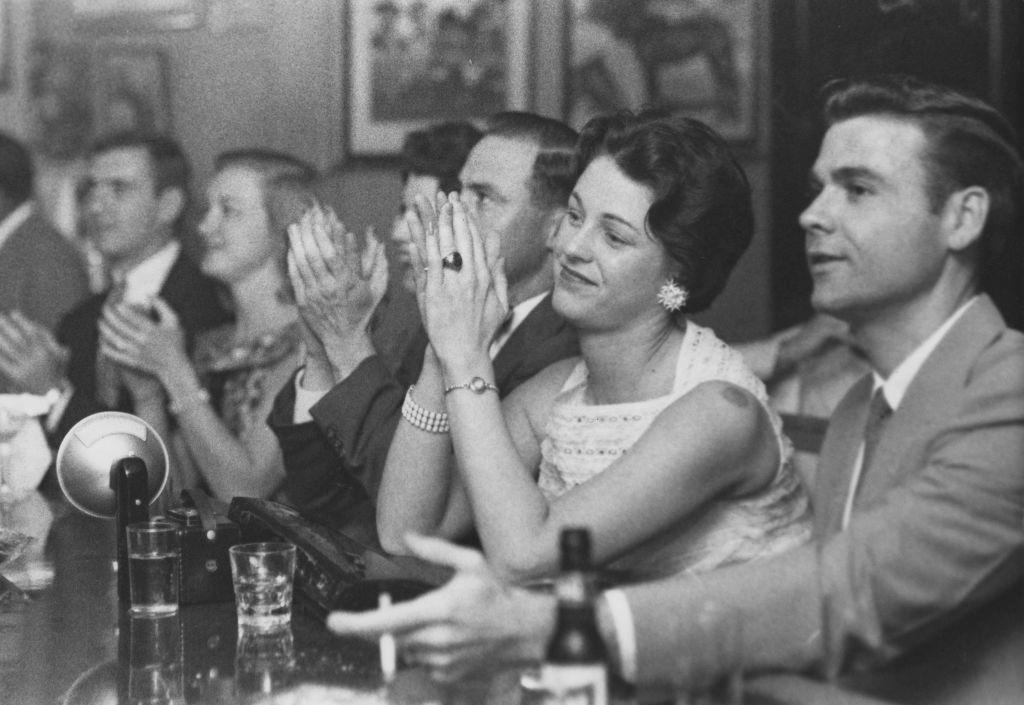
x=671 y=296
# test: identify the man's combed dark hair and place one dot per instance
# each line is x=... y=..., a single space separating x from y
x=556 y=167
x=170 y=165
x=702 y=211
x=439 y=151
x=969 y=143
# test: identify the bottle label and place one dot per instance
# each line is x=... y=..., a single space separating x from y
x=576 y=684
x=571 y=588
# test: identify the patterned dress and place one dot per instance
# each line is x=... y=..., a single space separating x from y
x=242 y=378
x=582 y=439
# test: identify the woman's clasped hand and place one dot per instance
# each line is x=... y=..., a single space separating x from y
x=461 y=306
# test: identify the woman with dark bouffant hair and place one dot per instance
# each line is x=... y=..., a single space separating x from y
x=658 y=437
x=219 y=397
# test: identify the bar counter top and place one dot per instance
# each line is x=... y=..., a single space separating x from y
x=66 y=639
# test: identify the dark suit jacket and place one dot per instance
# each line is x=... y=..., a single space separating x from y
x=41 y=273
x=937 y=530
x=193 y=296
x=335 y=462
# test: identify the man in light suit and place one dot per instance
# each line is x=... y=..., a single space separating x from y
x=135 y=208
x=919 y=512
x=516 y=182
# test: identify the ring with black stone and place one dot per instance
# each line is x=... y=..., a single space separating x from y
x=452 y=261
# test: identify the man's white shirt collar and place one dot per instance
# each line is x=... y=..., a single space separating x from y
x=144 y=280
x=14 y=220
x=895 y=387
x=517 y=315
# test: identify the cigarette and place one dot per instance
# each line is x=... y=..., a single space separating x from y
x=387 y=644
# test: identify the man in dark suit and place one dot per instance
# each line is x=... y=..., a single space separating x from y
x=42 y=274
x=515 y=182
x=919 y=531
x=136 y=202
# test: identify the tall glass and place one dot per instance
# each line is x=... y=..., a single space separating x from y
x=154 y=567
x=710 y=668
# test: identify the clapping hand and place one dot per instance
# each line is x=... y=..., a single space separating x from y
x=130 y=337
x=337 y=286
x=30 y=356
x=475 y=623
x=461 y=286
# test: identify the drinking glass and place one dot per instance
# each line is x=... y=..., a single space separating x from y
x=12 y=420
x=710 y=667
x=263 y=574
x=154 y=565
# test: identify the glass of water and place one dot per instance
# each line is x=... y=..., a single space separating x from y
x=263 y=575
x=154 y=567
x=710 y=669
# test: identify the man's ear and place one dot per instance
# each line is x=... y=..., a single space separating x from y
x=965 y=216
x=170 y=204
x=551 y=223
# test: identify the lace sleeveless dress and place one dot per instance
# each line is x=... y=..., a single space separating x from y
x=582 y=439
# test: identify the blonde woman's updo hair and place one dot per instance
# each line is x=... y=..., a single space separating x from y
x=288 y=189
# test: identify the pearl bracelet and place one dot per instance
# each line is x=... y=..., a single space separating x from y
x=424 y=419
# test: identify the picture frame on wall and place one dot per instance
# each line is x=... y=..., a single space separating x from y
x=700 y=59
x=113 y=16
x=132 y=91
x=411 y=63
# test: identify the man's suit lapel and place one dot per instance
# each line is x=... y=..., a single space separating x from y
x=926 y=401
x=838 y=454
x=932 y=395
x=180 y=286
x=541 y=325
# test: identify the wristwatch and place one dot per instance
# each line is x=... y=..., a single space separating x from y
x=477 y=385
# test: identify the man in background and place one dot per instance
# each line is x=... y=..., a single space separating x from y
x=515 y=182
x=135 y=207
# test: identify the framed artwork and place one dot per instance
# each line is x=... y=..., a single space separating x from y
x=414 y=62
x=153 y=15
x=132 y=90
x=693 y=56
x=60 y=99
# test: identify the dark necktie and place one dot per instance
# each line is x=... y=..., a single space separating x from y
x=108 y=378
x=878 y=413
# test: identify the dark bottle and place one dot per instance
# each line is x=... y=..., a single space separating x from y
x=575 y=668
